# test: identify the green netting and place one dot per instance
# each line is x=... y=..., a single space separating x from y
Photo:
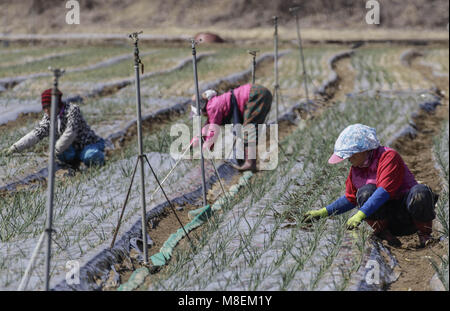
x=136 y=279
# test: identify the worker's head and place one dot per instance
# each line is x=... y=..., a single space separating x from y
x=359 y=159
x=205 y=97
x=46 y=100
x=354 y=143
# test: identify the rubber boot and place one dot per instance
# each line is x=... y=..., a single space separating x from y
x=381 y=231
x=424 y=230
x=249 y=164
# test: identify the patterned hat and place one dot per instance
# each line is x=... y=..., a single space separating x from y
x=46 y=97
x=353 y=139
x=206 y=96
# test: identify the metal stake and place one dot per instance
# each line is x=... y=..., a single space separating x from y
x=57 y=73
x=253 y=53
x=277 y=86
x=305 y=77
x=124 y=205
x=197 y=97
x=137 y=62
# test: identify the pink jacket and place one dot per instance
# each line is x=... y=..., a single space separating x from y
x=219 y=107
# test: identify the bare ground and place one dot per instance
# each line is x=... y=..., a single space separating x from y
x=415 y=264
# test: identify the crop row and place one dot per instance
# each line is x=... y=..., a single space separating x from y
x=261 y=243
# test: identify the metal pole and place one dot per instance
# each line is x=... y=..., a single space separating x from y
x=275 y=39
x=137 y=62
x=26 y=277
x=253 y=53
x=51 y=175
x=124 y=205
x=305 y=77
x=197 y=97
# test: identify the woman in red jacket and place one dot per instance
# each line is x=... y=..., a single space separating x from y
x=382 y=187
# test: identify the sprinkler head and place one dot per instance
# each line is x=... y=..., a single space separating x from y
x=274 y=19
x=134 y=35
x=294 y=10
x=57 y=72
x=193 y=42
x=252 y=52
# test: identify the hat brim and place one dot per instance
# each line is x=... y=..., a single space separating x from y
x=334 y=159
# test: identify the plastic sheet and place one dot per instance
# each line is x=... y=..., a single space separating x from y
x=199 y=217
x=333 y=78
x=99 y=266
x=380 y=269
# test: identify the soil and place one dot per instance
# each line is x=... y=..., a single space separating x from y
x=42 y=16
x=21 y=119
x=415 y=265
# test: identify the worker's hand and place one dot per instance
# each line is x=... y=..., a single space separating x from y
x=194 y=142
x=355 y=220
x=315 y=214
x=7 y=151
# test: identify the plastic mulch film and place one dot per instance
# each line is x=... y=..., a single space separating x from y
x=99 y=266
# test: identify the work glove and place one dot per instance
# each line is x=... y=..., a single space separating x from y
x=315 y=214
x=355 y=220
x=7 y=151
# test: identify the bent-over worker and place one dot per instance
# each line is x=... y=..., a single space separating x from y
x=383 y=188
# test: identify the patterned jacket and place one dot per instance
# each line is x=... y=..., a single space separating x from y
x=72 y=129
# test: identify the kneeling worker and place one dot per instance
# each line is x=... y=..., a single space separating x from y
x=76 y=141
x=380 y=184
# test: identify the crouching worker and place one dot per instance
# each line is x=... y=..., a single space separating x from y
x=76 y=142
x=382 y=187
x=247 y=104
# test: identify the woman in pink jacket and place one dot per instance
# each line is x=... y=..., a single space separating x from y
x=247 y=104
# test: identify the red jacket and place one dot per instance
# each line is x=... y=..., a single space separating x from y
x=386 y=169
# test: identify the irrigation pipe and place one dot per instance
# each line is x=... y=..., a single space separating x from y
x=253 y=53
x=57 y=73
x=294 y=11
x=26 y=277
x=137 y=61
x=275 y=61
x=197 y=100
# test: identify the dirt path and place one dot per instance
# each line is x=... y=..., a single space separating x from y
x=415 y=265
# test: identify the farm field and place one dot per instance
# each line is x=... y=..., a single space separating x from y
x=257 y=239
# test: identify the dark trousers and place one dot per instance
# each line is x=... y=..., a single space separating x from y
x=416 y=205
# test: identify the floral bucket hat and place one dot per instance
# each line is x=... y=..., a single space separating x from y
x=353 y=139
